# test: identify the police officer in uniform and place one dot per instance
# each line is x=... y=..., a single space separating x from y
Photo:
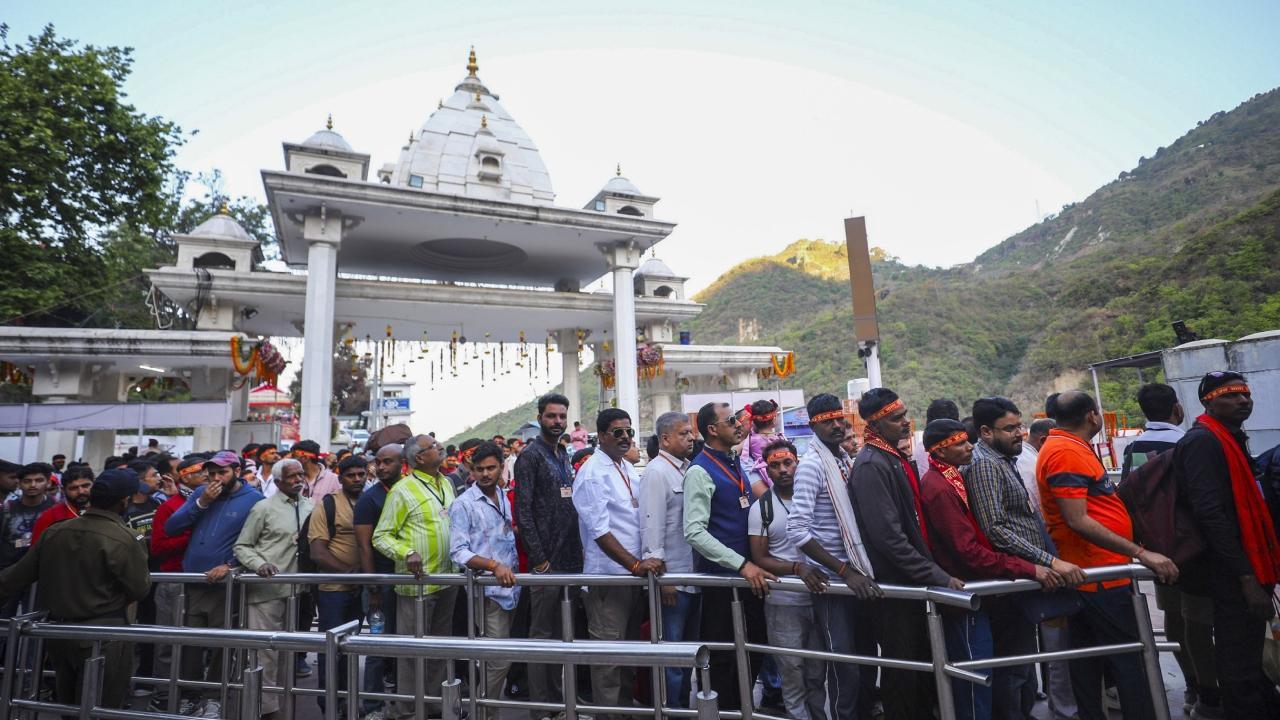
x=91 y=571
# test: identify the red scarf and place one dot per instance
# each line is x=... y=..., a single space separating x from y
x=956 y=481
x=1257 y=535
x=872 y=438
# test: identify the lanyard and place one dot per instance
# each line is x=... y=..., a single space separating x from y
x=664 y=457
x=626 y=479
x=502 y=512
x=438 y=496
x=553 y=459
x=742 y=486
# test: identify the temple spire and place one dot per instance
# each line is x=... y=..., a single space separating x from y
x=472 y=67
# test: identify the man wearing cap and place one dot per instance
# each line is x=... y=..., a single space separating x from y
x=1242 y=565
x=215 y=513
x=268 y=544
x=90 y=570
x=886 y=500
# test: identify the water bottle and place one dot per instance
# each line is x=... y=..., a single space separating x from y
x=377 y=622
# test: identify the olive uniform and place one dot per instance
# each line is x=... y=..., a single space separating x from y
x=90 y=571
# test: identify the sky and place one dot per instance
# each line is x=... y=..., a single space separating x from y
x=950 y=126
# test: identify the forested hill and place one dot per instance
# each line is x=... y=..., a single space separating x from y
x=1192 y=233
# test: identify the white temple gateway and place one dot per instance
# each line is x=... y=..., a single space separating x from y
x=458 y=239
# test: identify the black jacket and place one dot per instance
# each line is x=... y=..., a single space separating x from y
x=1204 y=483
x=886 y=512
x=546 y=521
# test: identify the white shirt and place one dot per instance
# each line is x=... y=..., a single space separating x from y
x=606 y=504
x=1026 y=464
x=661 y=496
x=780 y=546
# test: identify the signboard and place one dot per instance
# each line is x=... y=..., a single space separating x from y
x=395 y=404
x=865 y=328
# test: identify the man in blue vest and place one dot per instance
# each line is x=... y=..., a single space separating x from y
x=717 y=505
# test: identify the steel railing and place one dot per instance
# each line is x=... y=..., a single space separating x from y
x=242 y=673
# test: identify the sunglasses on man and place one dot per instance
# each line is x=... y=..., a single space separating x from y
x=622 y=432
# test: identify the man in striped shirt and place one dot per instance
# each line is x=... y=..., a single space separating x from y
x=414 y=532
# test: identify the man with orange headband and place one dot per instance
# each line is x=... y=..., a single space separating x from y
x=1242 y=562
x=886 y=498
x=962 y=549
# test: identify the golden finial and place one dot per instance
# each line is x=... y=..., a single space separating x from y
x=619 y=169
x=477 y=96
x=328 y=125
x=472 y=67
x=223 y=209
x=484 y=122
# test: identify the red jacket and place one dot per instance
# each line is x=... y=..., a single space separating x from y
x=958 y=544
x=169 y=549
x=56 y=514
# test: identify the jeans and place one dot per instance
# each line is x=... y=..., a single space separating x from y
x=793 y=626
x=206 y=608
x=968 y=636
x=1238 y=643
x=680 y=623
x=1062 y=701
x=1107 y=618
x=1013 y=689
x=834 y=616
x=375 y=668
x=335 y=608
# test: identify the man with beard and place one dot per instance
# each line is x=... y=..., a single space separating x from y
x=1091 y=528
x=717 y=506
x=215 y=513
x=662 y=519
x=268 y=544
x=1242 y=562
x=167 y=552
x=604 y=495
x=482 y=537
x=387 y=466
x=823 y=526
x=886 y=501
x=76 y=483
x=548 y=525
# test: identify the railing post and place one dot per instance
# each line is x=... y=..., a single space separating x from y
x=1150 y=655
x=91 y=682
x=419 y=664
x=570 y=684
x=11 y=653
x=472 y=602
x=227 y=600
x=175 y=654
x=332 y=645
x=740 y=653
x=353 y=685
x=251 y=693
x=451 y=693
x=284 y=658
x=659 y=674
x=706 y=699
x=938 y=650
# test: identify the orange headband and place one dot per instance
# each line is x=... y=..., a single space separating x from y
x=466 y=454
x=767 y=417
x=304 y=454
x=957 y=438
x=1225 y=390
x=889 y=409
x=192 y=470
x=780 y=453
x=828 y=415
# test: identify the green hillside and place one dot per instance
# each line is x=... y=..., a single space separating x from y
x=1192 y=234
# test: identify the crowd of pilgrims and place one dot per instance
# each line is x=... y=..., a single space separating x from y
x=980 y=498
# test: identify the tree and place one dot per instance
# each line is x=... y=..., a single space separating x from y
x=75 y=160
x=350 y=383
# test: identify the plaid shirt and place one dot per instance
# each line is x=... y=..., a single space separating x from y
x=1000 y=503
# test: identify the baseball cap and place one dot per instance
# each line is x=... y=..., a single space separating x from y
x=115 y=484
x=223 y=458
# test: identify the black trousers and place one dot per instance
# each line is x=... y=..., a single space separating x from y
x=1237 y=642
x=717 y=626
x=1107 y=618
x=904 y=634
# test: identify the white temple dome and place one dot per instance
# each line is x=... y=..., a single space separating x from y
x=653 y=267
x=453 y=153
x=621 y=185
x=327 y=139
x=220 y=227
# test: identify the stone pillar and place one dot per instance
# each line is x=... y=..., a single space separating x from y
x=567 y=342
x=323 y=233
x=52 y=442
x=211 y=384
x=623 y=258
x=101 y=444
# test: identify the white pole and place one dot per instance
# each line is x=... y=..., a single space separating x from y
x=873 y=364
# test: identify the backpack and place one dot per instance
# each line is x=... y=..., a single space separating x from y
x=766 y=510
x=1161 y=521
x=305 y=563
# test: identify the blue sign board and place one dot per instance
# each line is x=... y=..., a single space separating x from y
x=395 y=404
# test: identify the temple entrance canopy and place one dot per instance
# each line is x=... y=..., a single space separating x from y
x=459 y=238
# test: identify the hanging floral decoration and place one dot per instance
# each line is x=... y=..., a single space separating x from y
x=779 y=368
x=14 y=375
x=262 y=361
x=605 y=370
x=650 y=364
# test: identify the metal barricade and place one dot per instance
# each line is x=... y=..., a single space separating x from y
x=242 y=673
